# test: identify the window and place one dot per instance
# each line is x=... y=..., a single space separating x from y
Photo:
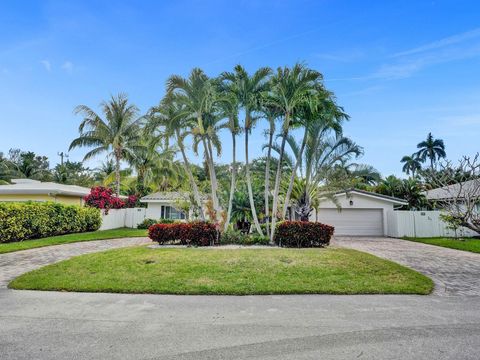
x=169 y=212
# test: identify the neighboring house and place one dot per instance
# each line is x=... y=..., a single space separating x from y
x=357 y=212
x=165 y=205
x=461 y=192
x=33 y=190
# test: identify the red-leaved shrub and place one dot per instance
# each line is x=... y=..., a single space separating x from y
x=303 y=234
x=103 y=198
x=196 y=233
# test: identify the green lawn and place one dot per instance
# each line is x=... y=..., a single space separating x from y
x=472 y=245
x=227 y=272
x=64 y=239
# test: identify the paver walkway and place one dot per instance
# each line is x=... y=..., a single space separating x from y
x=15 y=264
x=454 y=272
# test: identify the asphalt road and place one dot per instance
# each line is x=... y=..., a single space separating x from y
x=52 y=325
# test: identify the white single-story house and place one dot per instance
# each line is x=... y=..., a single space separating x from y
x=357 y=212
x=34 y=190
x=164 y=205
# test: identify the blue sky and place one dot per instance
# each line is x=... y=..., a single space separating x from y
x=399 y=68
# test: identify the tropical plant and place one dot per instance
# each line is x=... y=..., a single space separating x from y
x=411 y=164
x=197 y=96
x=117 y=134
x=249 y=91
x=432 y=149
x=171 y=120
x=289 y=90
x=229 y=106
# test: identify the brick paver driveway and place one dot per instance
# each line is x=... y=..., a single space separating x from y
x=454 y=272
x=16 y=263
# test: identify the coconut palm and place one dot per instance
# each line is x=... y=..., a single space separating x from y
x=411 y=164
x=432 y=149
x=249 y=91
x=197 y=95
x=289 y=90
x=118 y=133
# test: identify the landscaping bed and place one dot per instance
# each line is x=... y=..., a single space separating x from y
x=469 y=244
x=71 y=238
x=214 y=271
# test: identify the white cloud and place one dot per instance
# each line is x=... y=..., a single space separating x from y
x=47 y=65
x=451 y=40
x=68 y=66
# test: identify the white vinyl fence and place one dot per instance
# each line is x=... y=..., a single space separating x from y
x=119 y=218
x=421 y=224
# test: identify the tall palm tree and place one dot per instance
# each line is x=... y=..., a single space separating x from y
x=319 y=115
x=432 y=149
x=118 y=133
x=411 y=164
x=197 y=94
x=289 y=89
x=229 y=107
x=170 y=120
x=271 y=113
x=249 y=91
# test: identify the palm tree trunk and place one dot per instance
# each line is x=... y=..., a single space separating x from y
x=294 y=172
x=267 y=177
x=277 y=185
x=117 y=173
x=249 y=187
x=232 y=184
x=213 y=178
x=193 y=184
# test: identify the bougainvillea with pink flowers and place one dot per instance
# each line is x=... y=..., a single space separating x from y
x=103 y=198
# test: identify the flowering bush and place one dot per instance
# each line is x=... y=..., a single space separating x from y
x=196 y=233
x=303 y=234
x=103 y=198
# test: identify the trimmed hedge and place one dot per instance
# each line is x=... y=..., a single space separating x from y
x=303 y=234
x=34 y=220
x=196 y=233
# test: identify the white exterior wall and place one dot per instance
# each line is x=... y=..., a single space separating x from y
x=360 y=201
x=421 y=224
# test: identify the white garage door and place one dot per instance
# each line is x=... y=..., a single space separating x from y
x=353 y=222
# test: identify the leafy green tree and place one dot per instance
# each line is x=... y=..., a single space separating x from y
x=118 y=134
x=411 y=164
x=73 y=173
x=249 y=91
x=197 y=95
x=290 y=86
x=26 y=164
x=170 y=120
x=229 y=108
x=432 y=149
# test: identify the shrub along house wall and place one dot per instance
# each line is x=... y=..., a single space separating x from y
x=23 y=221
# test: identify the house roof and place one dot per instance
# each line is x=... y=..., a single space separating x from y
x=28 y=186
x=470 y=187
x=382 y=197
x=165 y=196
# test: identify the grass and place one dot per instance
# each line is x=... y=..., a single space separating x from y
x=70 y=238
x=227 y=272
x=472 y=245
